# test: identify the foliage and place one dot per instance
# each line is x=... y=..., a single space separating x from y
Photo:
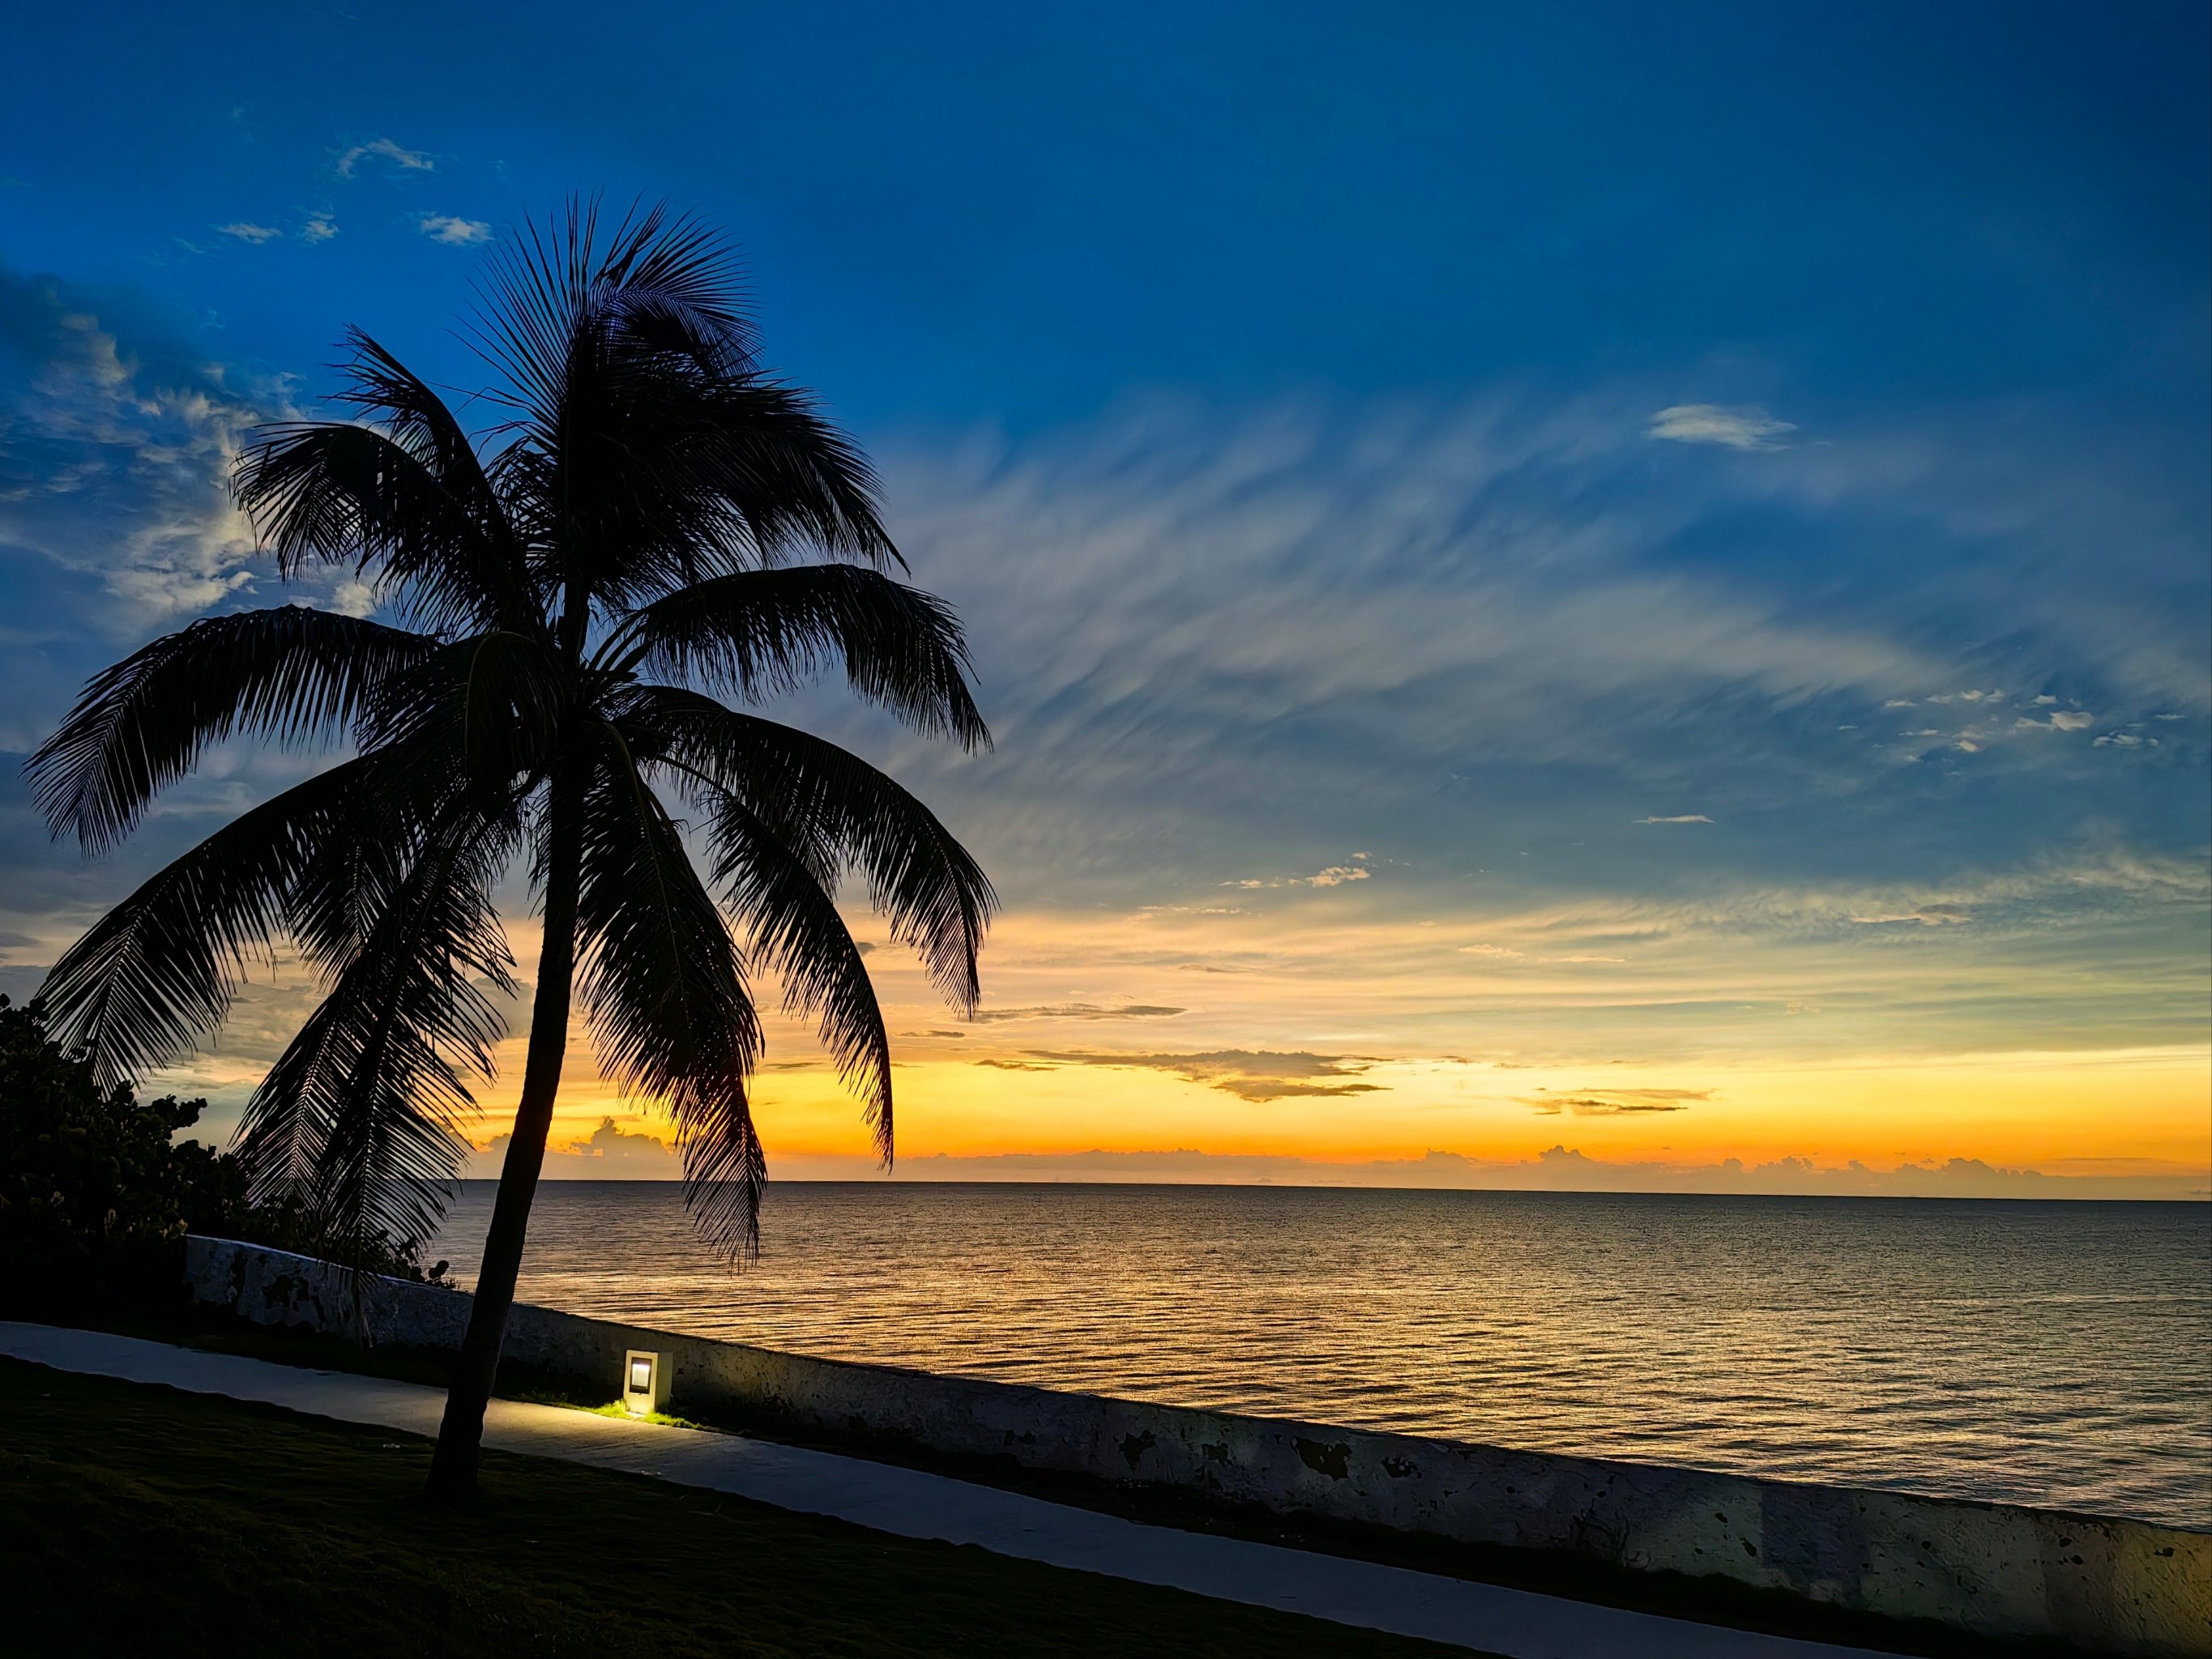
x=96 y=1193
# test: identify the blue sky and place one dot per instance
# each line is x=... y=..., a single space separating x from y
x=1728 y=481
x=1019 y=214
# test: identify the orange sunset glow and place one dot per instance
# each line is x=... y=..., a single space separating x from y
x=1245 y=1043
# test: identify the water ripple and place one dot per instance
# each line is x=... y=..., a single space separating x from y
x=2044 y=1353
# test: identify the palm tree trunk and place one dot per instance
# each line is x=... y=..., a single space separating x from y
x=453 y=1465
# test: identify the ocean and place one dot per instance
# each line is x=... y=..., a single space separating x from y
x=2050 y=1353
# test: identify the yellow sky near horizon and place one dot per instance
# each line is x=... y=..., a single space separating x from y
x=1315 y=1028
x=1329 y=1035
x=2011 y=1110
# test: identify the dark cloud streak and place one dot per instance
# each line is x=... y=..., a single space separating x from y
x=1254 y=1075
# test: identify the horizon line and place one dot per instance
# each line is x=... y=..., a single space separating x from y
x=2201 y=1197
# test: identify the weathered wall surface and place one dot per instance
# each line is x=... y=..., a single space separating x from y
x=2121 y=1586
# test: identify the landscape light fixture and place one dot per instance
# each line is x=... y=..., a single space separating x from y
x=645 y=1381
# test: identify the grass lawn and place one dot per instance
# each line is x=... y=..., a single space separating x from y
x=141 y=1520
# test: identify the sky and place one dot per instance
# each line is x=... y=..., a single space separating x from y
x=1584 y=596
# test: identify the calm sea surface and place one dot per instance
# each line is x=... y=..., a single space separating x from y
x=2047 y=1353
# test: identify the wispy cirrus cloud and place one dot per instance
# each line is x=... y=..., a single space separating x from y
x=1293 y=631
x=452 y=231
x=1471 y=627
x=1079 y=1011
x=2058 y=719
x=2090 y=886
x=1745 y=427
x=386 y=151
x=314 y=230
x=1334 y=875
x=1506 y=953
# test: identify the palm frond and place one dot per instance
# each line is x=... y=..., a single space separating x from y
x=830 y=807
x=358 y=1118
x=795 y=930
x=412 y=791
x=661 y=982
x=398 y=403
x=764 y=472
x=290 y=673
x=556 y=291
x=416 y=507
x=671 y=284
x=158 y=973
x=761 y=632
x=488 y=707
x=649 y=449
x=724 y=1169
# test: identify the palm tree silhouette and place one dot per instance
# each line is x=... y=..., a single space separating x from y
x=624 y=537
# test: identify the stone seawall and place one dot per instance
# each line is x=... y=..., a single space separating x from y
x=2114 y=1585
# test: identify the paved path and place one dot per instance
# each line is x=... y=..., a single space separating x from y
x=1485 y=1617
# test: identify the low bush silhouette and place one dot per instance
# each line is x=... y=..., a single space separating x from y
x=97 y=1193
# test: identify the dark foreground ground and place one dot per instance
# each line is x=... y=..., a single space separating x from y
x=1031 y=1598
x=143 y=1521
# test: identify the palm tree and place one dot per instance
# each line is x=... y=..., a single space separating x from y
x=580 y=579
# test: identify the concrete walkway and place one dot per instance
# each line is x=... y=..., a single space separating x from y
x=914 y=1504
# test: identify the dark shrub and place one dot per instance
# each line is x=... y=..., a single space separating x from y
x=97 y=1193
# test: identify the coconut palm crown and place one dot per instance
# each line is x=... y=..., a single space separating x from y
x=590 y=586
